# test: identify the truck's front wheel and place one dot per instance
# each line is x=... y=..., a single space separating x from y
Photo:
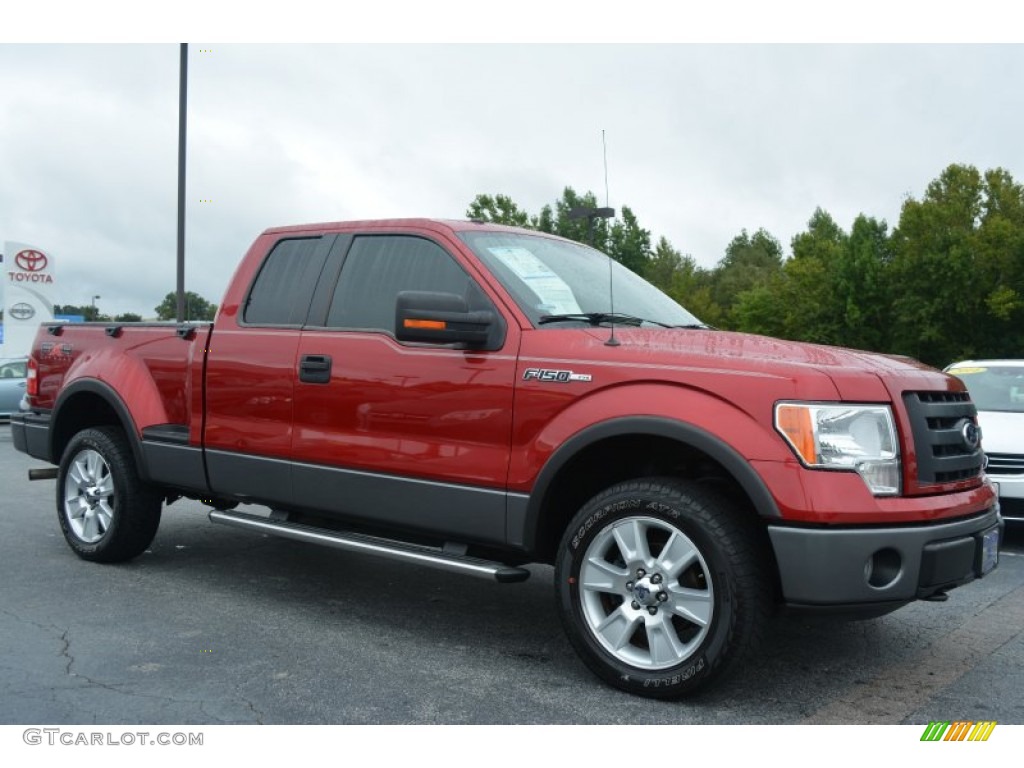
x=107 y=513
x=662 y=585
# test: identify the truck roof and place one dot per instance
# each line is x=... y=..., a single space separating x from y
x=453 y=225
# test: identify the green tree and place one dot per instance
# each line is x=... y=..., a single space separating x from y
x=946 y=265
x=87 y=311
x=863 y=286
x=196 y=307
x=128 y=317
x=499 y=209
x=749 y=261
x=623 y=239
x=629 y=243
x=832 y=291
x=679 y=276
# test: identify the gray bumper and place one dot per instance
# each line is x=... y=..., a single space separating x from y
x=30 y=433
x=861 y=566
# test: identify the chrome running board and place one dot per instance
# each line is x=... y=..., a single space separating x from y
x=357 y=542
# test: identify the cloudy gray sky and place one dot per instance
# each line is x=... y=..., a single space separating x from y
x=702 y=140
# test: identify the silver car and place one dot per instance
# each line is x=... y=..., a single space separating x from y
x=997 y=389
x=12 y=384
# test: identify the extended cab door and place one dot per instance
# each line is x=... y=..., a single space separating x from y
x=250 y=371
x=406 y=434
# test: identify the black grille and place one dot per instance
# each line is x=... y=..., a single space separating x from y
x=1005 y=464
x=937 y=420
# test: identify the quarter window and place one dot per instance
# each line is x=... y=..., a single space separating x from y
x=283 y=289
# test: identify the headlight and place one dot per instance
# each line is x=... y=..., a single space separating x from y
x=858 y=438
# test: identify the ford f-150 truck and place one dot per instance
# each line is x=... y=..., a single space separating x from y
x=478 y=397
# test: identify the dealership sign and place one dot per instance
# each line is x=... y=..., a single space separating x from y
x=30 y=267
x=23 y=311
x=28 y=294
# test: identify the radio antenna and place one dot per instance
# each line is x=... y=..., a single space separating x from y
x=612 y=341
x=604 y=147
x=600 y=213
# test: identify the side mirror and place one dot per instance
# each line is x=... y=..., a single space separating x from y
x=442 y=318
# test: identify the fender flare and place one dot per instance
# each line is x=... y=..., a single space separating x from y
x=679 y=431
x=110 y=396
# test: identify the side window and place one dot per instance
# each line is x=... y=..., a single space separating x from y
x=283 y=289
x=378 y=267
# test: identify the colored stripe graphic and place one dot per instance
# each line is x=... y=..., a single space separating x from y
x=982 y=730
x=959 y=730
x=935 y=730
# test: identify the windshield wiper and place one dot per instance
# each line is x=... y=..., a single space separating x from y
x=596 y=318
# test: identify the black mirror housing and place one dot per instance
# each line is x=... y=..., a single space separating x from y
x=432 y=317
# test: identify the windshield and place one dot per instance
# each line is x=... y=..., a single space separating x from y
x=993 y=387
x=548 y=278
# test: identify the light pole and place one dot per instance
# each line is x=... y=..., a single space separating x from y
x=182 y=114
x=95 y=314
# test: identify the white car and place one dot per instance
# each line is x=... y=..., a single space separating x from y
x=997 y=389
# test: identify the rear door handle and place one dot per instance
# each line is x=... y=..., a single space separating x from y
x=315 y=369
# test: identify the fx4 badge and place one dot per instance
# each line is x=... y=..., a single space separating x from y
x=546 y=374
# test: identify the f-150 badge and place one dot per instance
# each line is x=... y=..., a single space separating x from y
x=547 y=374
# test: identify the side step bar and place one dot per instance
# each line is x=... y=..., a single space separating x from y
x=357 y=542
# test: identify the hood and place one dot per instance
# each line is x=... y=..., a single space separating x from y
x=856 y=374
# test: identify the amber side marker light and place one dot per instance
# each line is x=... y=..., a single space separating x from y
x=436 y=325
x=795 y=422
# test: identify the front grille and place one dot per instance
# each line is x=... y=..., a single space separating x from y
x=937 y=420
x=1005 y=464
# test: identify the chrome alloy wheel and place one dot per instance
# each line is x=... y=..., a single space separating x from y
x=646 y=593
x=89 y=496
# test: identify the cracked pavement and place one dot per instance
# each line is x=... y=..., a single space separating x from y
x=214 y=625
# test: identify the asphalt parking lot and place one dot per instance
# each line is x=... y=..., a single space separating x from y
x=214 y=625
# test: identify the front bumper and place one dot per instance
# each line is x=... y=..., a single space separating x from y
x=866 y=566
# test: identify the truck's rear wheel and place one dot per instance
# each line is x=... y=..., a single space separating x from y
x=662 y=585
x=107 y=513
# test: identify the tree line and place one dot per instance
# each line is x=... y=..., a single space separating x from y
x=196 y=308
x=947 y=283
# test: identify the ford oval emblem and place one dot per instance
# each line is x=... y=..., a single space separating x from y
x=971 y=434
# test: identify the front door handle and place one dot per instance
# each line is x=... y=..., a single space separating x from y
x=315 y=369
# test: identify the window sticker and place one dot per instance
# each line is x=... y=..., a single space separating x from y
x=555 y=295
x=966 y=371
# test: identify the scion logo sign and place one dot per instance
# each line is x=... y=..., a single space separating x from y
x=22 y=311
x=31 y=265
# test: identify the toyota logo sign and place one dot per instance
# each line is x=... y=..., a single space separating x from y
x=23 y=311
x=31 y=261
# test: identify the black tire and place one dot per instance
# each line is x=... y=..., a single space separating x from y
x=700 y=603
x=107 y=513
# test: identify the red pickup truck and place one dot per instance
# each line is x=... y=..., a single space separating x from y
x=470 y=396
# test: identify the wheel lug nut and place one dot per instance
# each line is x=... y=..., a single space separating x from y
x=629 y=586
x=636 y=605
x=640 y=573
x=662 y=597
x=656 y=578
x=652 y=610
